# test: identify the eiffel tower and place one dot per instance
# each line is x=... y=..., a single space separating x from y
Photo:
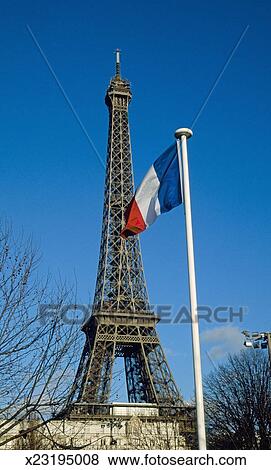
x=122 y=323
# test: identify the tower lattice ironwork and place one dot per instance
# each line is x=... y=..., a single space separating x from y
x=121 y=324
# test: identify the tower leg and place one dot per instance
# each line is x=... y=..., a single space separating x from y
x=97 y=383
x=139 y=386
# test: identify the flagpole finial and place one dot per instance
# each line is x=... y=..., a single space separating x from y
x=183 y=131
x=117 y=52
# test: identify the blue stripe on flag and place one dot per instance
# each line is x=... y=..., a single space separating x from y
x=167 y=170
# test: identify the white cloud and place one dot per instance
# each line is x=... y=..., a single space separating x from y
x=222 y=341
x=169 y=352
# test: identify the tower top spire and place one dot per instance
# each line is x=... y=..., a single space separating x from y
x=118 y=87
x=117 y=52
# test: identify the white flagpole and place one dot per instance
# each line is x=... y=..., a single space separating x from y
x=182 y=135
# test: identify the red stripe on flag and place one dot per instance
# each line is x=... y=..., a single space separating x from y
x=134 y=222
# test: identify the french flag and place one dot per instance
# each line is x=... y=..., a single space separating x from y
x=159 y=192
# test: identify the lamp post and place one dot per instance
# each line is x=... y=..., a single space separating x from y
x=258 y=340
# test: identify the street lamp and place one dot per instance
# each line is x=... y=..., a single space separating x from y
x=258 y=340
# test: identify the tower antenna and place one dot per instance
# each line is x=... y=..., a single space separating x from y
x=118 y=63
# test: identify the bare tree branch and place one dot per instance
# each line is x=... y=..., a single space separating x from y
x=38 y=354
x=238 y=402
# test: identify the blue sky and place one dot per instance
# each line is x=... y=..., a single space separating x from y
x=172 y=52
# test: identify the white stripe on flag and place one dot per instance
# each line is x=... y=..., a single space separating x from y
x=147 y=197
